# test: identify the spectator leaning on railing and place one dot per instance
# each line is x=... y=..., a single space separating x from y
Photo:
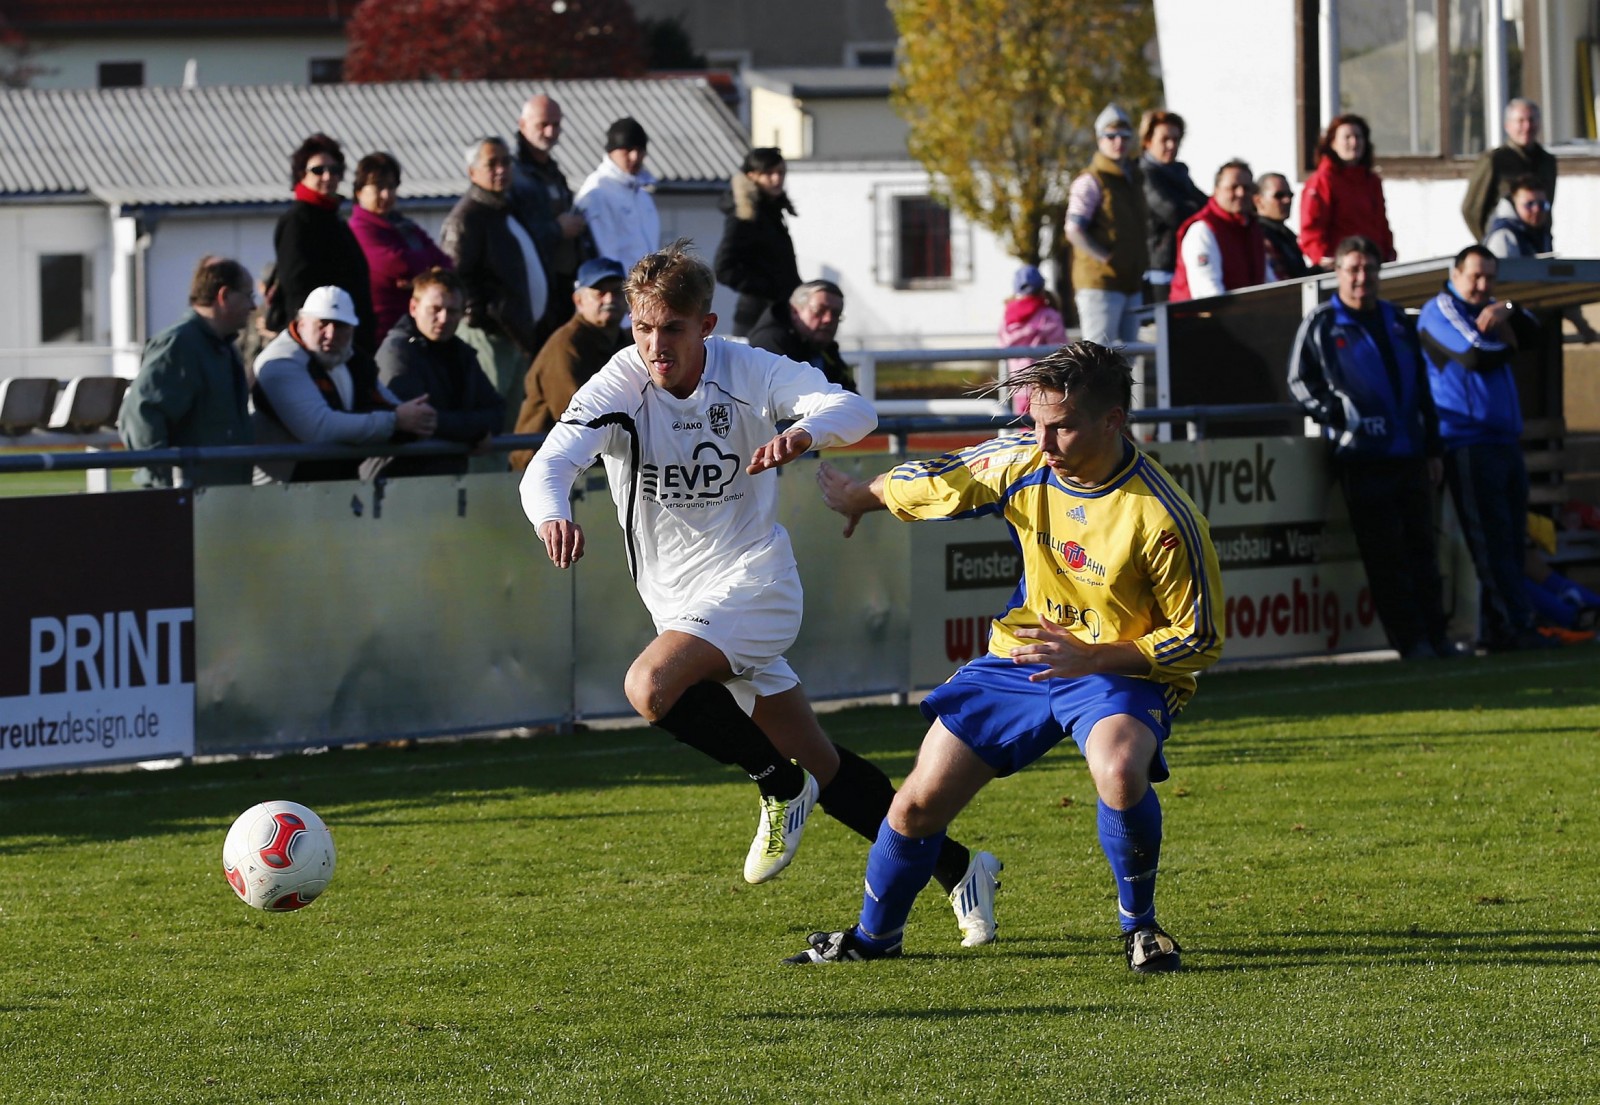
x=422 y=356
x=313 y=386
x=191 y=388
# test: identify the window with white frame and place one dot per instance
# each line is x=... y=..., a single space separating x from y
x=921 y=242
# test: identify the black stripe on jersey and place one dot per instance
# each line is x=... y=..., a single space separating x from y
x=628 y=426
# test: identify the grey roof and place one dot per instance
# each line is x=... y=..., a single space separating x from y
x=231 y=144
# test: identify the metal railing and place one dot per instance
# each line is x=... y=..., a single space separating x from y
x=899 y=429
x=866 y=362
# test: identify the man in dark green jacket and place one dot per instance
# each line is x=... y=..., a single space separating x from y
x=191 y=389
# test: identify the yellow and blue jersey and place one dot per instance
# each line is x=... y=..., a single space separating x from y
x=1130 y=559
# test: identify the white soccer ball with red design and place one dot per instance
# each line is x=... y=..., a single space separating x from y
x=278 y=856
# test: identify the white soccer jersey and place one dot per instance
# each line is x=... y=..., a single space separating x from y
x=690 y=512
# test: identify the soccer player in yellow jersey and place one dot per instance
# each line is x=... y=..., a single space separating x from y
x=1119 y=606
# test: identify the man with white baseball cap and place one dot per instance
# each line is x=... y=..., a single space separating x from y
x=314 y=386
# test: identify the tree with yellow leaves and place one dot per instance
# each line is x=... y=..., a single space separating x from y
x=1001 y=96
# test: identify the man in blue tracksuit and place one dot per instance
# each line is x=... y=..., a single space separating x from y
x=1357 y=370
x=1468 y=339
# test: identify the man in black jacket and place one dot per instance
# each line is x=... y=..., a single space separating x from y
x=541 y=200
x=506 y=288
x=803 y=330
x=1273 y=200
x=421 y=356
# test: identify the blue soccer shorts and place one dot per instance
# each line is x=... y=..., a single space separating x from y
x=992 y=708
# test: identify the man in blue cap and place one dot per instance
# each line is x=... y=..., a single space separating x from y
x=578 y=349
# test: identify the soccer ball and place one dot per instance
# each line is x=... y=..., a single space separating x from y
x=278 y=856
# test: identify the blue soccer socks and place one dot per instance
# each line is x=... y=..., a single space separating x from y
x=1131 y=840
x=898 y=867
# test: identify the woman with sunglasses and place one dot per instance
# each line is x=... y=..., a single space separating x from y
x=315 y=248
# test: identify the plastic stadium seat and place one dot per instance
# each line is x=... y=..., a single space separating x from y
x=25 y=403
x=88 y=403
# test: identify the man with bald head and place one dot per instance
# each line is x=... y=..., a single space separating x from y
x=542 y=202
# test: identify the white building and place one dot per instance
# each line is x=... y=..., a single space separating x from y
x=1430 y=76
x=148 y=43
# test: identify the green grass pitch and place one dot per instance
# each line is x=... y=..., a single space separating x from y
x=1383 y=876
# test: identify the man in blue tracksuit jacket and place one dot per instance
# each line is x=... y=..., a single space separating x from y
x=1357 y=370
x=1467 y=337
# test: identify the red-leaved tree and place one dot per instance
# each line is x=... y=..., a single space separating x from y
x=464 y=40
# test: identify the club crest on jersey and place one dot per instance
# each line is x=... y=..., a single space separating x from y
x=720 y=416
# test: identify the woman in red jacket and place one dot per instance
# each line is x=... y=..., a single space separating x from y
x=1345 y=195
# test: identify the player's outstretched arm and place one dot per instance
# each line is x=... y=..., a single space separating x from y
x=1069 y=657
x=793 y=442
x=848 y=496
x=563 y=540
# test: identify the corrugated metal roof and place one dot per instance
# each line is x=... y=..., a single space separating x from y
x=226 y=144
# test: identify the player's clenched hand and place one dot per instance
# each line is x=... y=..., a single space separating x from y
x=839 y=491
x=563 y=540
x=780 y=450
x=1066 y=656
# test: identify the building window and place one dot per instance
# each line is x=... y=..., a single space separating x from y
x=869 y=55
x=1421 y=71
x=121 y=74
x=923 y=232
x=327 y=70
x=921 y=243
x=66 y=294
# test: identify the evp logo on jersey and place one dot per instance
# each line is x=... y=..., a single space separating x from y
x=721 y=418
x=706 y=476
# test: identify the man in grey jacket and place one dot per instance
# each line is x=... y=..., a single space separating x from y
x=191 y=388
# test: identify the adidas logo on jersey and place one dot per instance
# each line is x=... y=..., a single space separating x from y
x=1157 y=714
x=1078 y=514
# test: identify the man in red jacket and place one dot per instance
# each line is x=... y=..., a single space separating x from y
x=1222 y=247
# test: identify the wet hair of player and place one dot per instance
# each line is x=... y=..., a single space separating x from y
x=1094 y=377
x=673 y=278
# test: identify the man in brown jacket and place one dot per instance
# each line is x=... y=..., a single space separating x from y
x=578 y=349
x=1106 y=218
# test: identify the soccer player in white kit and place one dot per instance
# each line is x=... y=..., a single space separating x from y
x=686 y=426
